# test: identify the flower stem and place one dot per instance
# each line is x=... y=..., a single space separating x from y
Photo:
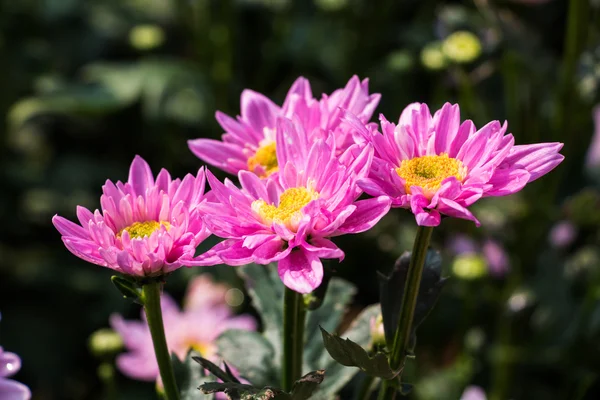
x=409 y=301
x=293 y=338
x=151 y=299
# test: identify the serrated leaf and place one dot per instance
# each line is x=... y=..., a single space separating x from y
x=350 y=354
x=128 y=289
x=391 y=290
x=240 y=391
x=337 y=374
x=214 y=369
x=328 y=316
x=305 y=386
x=250 y=353
x=266 y=290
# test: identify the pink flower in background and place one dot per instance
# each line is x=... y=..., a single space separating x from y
x=147 y=227
x=562 y=234
x=290 y=218
x=473 y=393
x=592 y=159
x=434 y=165
x=196 y=327
x=10 y=364
x=249 y=142
x=497 y=259
x=202 y=291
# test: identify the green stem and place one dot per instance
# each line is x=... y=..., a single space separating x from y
x=151 y=300
x=409 y=301
x=293 y=338
x=366 y=387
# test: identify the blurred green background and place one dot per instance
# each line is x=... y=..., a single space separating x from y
x=86 y=85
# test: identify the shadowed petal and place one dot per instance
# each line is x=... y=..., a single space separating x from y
x=301 y=271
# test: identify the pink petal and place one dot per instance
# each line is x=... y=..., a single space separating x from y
x=140 y=176
x=226 y=156
x=13 y=390
x=368 y=212
x=453 y=209
x=258 y=111
x=68 y=228
x=301 y=271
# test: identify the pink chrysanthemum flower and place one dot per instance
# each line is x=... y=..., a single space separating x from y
x=290 y=218
x=249 y=142
x=147 y=227
x=196 y=327
x=10 y=364
x=436 y=165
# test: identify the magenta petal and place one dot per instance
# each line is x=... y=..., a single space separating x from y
x=368 y=212
x=10 y=364
x=258 y=111
x=226 y=156
x=301 y=271
x=68 y=228
x=140 y=176
x=271 y=250
x=453 y=209
x=323 y=248
x=13 y=390
x=507 y=181
x=424 y=217
x=538 y=159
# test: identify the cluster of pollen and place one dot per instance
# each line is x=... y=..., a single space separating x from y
x=265 y=157
x=143 y=229
x=428 y=172
x=288 y=211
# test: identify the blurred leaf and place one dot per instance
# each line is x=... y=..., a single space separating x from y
x=391 y=290
x=328 y=316
x=189 y=375
x=251 y=354
x=265 y=289
x=350 y=354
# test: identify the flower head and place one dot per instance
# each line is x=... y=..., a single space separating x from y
x=435 y=165
x=473 y=393
x=10 y=364
x=290 y=218
x=196 y=327
x=147 y=227
x=461 y=47
x=249 y=142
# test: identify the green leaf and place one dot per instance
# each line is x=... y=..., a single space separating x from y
x=189 y=375
x=391 y=290
x=239 y=391
x=305 y=386
x=337 y=374
x=250 y=353
x=350 y=354
x=128 y=288
x=214 y=369
x=329 y=317
x=266 y=290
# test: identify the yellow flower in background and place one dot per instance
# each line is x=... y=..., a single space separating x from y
x=469 y=266
x=432 y=56
x=146 y=37
x=462 y=47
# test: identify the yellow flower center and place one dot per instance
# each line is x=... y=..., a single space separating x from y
x=143 y=229
x=428 y=172
x=288 y=211
x=266 y=157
